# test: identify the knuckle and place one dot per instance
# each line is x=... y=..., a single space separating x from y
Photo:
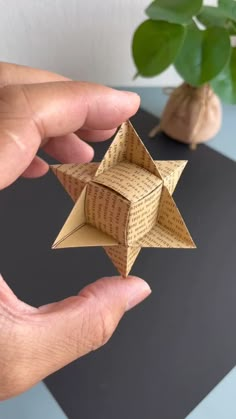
x=98 y=322
x=104 y=329
x=12 y=368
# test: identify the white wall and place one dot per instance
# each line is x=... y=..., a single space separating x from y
x=83 y=39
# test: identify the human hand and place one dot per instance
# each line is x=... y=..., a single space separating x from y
x=36 y=111
x=44 y=110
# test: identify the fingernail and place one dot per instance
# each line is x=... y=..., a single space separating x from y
x=130 y=94
x=141 y=291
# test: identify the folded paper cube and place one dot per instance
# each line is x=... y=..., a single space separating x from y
x=123 y=203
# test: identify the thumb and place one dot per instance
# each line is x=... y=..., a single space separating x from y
x=59 y=333
x=83 y=323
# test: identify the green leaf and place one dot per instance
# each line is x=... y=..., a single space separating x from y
x=229 y=8
x=175 y=11
x=155 y=46
x=214 y=16
x=230 y=26
x=225 y=83
x=203 y=55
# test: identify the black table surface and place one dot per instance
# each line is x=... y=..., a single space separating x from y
x=169 y=352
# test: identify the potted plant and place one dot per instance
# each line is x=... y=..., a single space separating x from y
x=197 y=40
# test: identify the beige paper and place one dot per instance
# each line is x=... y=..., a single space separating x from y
x=169 y=217
x=129 y=180
x=170 y=172
x=142 y=216
x=123 y=257
x=74 y=177
x=77 y=232
x=169 y=229
x=85 y=236
x=107 y=211
x=124 y=203
x=127 y=146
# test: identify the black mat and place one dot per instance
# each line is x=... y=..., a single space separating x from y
x=168 y=353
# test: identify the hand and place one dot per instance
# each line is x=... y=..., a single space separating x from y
x=41 y=109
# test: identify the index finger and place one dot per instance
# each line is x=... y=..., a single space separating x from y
x=21 y=74
x=29 y=113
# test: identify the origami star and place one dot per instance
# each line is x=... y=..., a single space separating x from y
x=123 y=203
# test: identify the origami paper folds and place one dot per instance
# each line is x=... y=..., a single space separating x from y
x=123 y=203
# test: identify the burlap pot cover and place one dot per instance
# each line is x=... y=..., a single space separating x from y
x=192 y=115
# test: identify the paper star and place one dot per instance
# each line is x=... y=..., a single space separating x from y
x=123 y=203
